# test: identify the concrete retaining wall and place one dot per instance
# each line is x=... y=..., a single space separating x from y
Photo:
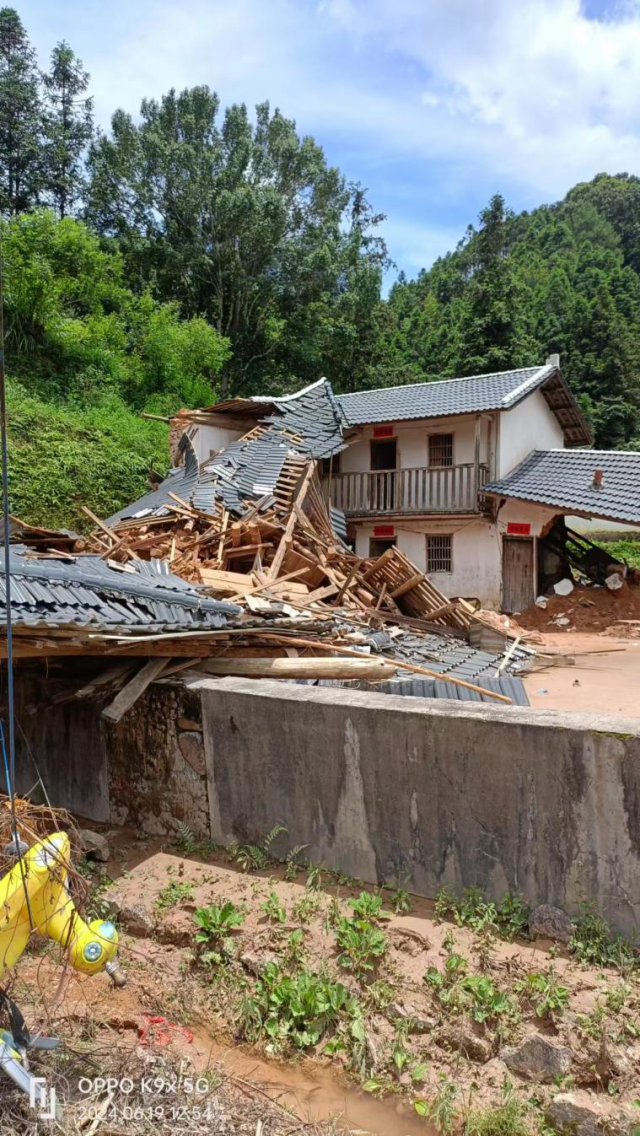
x=509 y=799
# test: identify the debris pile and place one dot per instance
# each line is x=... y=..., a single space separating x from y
x=240 y=566
x=588 y=609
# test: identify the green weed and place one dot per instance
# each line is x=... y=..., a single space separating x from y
x=442 y=1111
x=292 y=1011
x=217 y=921
x=362 y=944
x=508 y=919
x=400 y=901
x=594 y=944
x=174 y=893
x=273 y=909
x=508 y=1119
x=544 y=992
x=256 y=857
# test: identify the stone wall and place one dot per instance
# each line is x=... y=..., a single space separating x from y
x=386 y=788
x=155 y=758
x=147 y=771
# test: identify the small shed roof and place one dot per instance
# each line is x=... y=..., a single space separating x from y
x=564 y=479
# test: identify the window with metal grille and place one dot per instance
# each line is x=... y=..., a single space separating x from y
x=440 y=449
x=439 y=553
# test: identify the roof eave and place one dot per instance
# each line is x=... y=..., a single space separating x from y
x=566 y=510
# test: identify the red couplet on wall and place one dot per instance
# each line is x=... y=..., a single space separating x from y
x=518 y=528
x=384 y=530
x=383 y=431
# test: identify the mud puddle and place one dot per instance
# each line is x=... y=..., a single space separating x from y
x=314 y=1093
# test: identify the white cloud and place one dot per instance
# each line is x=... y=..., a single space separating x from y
x=434 y=103
x=553 y=95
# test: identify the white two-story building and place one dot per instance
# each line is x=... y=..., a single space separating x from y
x=466 y=476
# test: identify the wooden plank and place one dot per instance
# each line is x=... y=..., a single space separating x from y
x=287 y=535
x=372 y=668
x=320 y=646
x=379 y=563
x=225 y=522
x=407 y=586
x=130 y=693
x=253 y=591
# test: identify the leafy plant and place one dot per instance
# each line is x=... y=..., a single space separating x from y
x=294 y=953
x=455 y=967
x=513 y=917
x=486 y=1001
x=400 y=901
x=306 y=908
x=508 y=1119
x=315 y=876
x=594 y=944
x=256 y=857
x=291 y=1010
x=379 y=994
x=508 y=919
x=473 y=993
x=617 y=997
x=544 y=992
x=217 y=921
x=174 y=893
x=273 y=909
x=368 y=906
x=361 y=944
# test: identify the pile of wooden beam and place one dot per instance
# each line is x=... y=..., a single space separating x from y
x=286 y=552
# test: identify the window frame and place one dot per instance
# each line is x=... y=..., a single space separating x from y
x=439 y=537
x=439 y=438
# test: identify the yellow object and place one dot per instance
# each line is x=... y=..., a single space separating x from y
x=42 y=877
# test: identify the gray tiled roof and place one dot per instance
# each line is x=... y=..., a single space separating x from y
x=307 y=423
x=564 y=479
x=472 y=394
x=87 y=593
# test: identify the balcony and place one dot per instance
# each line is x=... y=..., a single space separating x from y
x=444 y=489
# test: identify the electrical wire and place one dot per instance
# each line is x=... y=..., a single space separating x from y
x=10 y=765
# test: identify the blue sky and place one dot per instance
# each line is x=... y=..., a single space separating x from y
x=432 y=104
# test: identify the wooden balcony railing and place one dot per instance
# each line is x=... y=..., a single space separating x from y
x=444 y=489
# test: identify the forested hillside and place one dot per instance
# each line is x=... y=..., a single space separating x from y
x=563 y=278
x=192 y=253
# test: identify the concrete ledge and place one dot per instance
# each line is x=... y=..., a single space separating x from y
x=539 y=802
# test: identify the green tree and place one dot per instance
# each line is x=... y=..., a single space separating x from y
x=20 y=117
x=243 y=225
x=75 y=332
x=491 y=321
x=68 y=128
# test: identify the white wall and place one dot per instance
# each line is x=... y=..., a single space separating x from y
x=412 y=445
x=209 y=439
x=530 y=425
x=526 y=512
x=476 y=555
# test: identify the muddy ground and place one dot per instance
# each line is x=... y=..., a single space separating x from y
x=448 y=1031
x=590 y=673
